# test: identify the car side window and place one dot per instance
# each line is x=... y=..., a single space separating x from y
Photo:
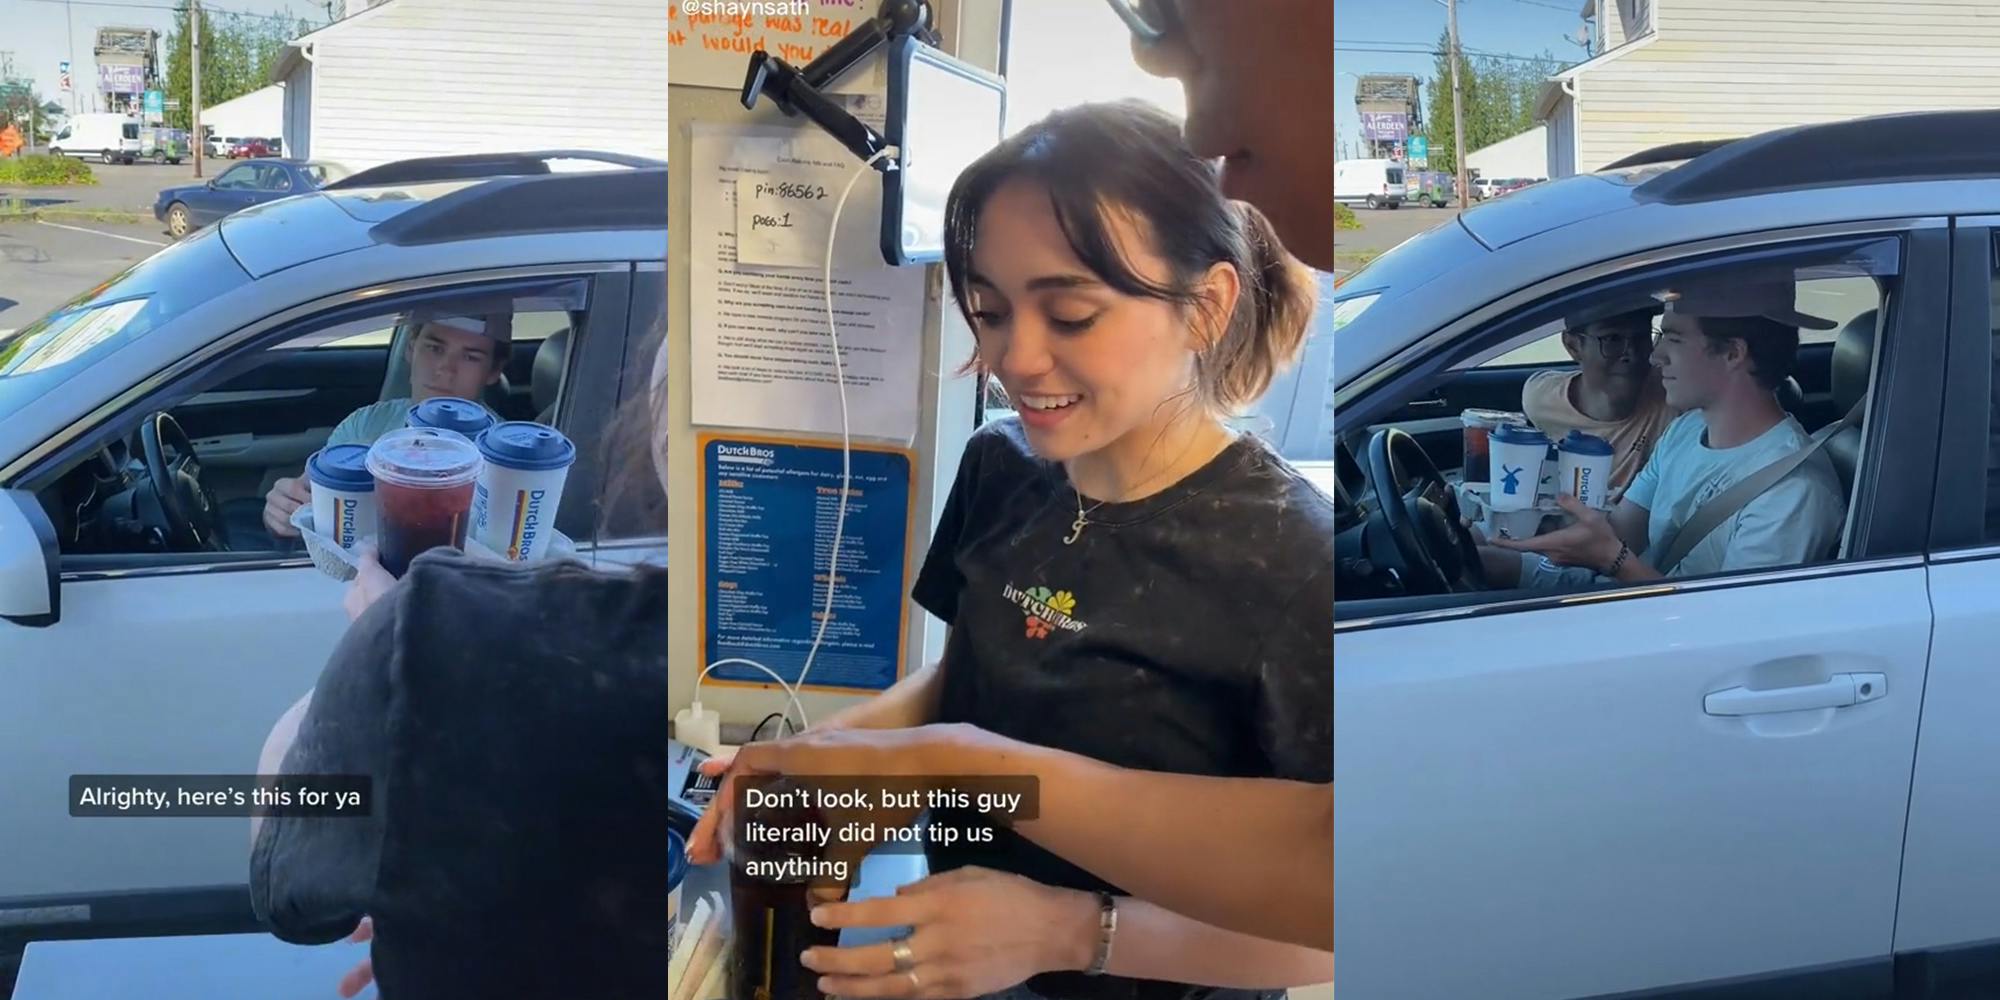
x=238 y=178
x=272 y=177
x=1605 y=393
x=257 y=419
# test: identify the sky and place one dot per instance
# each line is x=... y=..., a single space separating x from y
x=1064 y=52
x=40 y=33
x=1509 y=27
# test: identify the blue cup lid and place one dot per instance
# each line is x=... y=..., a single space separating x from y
x=526 y=446
x=1519 y=434
x=342 y=467
x=452 y=414
x=1586 y=444
x=677 y=860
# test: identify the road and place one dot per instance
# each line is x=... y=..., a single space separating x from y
x=43 y=265
x=119 y=187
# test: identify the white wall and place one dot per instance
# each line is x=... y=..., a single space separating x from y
x=298 y=112
x=437 y=77
x=260 y=113
x=1524 y=155
x=1726 y=68
x=971 y=30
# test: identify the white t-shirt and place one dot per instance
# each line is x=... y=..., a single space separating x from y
x=1796 y=521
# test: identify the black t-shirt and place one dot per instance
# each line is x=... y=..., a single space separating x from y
x=512 y=720
x=1188 y=632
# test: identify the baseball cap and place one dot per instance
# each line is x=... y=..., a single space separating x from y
x=1574 y=321
x=497 y=325
x=1770 y=300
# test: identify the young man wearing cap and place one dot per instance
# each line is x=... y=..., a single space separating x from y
x=1614 y=394
x=1724 y=349
x=452 y=354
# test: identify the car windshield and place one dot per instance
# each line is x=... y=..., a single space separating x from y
x=322 y=174
x=41 y=356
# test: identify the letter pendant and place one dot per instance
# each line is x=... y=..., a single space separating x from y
x=1075 y=530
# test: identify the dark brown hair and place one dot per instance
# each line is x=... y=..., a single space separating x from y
x=1097 y=161
x=1773 y=347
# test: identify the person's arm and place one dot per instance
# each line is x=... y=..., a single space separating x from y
x=912 y=701
x=311 y=877
x=1156 y=943
x=271 y=760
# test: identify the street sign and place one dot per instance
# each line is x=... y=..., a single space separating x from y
x=172 y=104
x=63 y=65
x=1420 y=147
x=154 y=104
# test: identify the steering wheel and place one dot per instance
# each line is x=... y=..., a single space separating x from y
x=1421 y=513
x=175 y=474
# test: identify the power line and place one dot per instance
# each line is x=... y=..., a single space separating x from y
x=176 y=8
x=1551 y=6
x=1338 y=47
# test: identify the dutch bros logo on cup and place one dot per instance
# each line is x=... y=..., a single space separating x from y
x=343 y=494
x=1584 y=469
x=520 y=488
x=1517 y=456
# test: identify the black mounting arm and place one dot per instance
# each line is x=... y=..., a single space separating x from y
x=797 y=91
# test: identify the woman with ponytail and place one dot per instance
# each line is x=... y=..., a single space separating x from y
x=1127 y=580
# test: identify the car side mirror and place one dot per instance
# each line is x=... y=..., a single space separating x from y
x=211 y=184
x=30 y=578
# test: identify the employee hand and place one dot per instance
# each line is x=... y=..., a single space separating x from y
x=370 y=582
x=973 y=932
x=358 y=978
x=286 y=496
x=1590 y=542
x=704 y=844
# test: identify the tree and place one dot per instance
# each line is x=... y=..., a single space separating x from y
x=1498 y=96
x=238 y=53
x=1439 y=128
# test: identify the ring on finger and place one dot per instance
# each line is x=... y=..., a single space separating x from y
x=905 y=959
x=915 y=985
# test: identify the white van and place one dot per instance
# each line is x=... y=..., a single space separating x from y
x=109 y=136
x=1375 y=183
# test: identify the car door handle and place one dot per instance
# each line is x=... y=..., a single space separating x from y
x=1838 y=691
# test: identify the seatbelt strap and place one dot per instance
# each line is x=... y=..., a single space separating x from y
x=1735 y=498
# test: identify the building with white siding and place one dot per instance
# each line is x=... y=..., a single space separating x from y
x=258 y=114
x=1525 y=155
x=395 y=79
x=1681 y=70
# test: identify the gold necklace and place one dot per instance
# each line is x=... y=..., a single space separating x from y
x=1083 y=516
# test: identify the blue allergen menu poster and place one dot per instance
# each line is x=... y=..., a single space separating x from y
x=768 y=512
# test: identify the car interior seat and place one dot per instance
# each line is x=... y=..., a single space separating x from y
x=1853 y=362
x=396 y=381
x=546 y=384
x=1793 y=398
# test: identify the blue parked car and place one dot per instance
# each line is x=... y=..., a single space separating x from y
x=252 y=182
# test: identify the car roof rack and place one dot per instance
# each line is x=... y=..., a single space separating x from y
x=555 y=203
x=1927 y=145
x=1670 y=153
x=476 y=166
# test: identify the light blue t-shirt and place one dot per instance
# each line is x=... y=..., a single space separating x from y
x=364 y=425
x=1796 y=521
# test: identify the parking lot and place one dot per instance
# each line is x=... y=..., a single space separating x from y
x=44 y=264
x=1381 y=229
x=96 y=231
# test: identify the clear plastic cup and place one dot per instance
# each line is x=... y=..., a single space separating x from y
x=423 y=492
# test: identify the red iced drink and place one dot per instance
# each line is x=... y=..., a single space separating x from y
x=423 y=492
